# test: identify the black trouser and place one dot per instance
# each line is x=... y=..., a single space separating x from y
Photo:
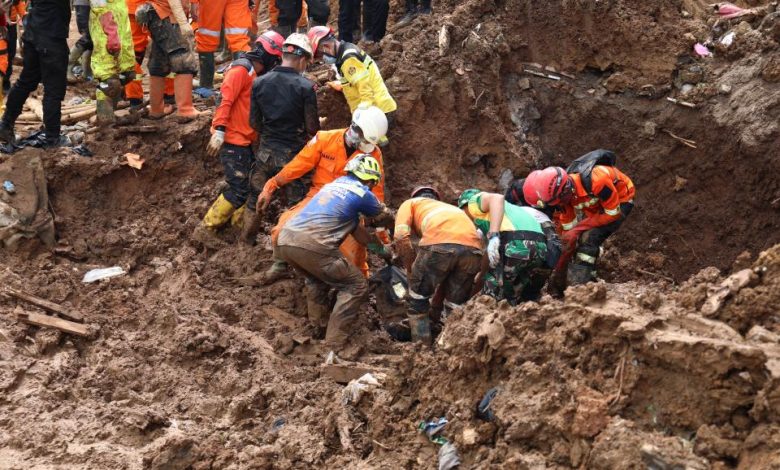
x=12 y=36
x=375 y=19
x=590 y=241
x=349 y=11
x=319 y=11
x=237 y=162
x=289 y=13
x=82 y=23
x=45 y=61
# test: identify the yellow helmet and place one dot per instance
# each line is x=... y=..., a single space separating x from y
x=365 y=167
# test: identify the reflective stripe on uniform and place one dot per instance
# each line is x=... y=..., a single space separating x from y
x=569 y=225
x=208 y=32
x=236 y=31
x=416 y=296
x=614 y=211
x=590 y=202
x=450 y=305
x=586 y=258
x=402 y=228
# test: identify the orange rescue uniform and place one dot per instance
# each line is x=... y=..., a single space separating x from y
x=237 y=19
x=609 y=188
x=233 y=111
x=17 y=12
x=273 y=14
x=141 y=38
x=326 y=154
x=435 y=222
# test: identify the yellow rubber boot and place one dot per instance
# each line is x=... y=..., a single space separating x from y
x=237 y=219
x=219 y=213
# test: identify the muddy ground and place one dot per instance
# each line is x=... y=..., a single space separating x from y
x=663 y=365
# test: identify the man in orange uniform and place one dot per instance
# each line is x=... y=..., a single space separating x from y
x=285 y=15
x=592 y=199
x=5 y=58
x=134 y=91
x=210 y=15
x=15 y=15
x=231 y=134
x=327 y=154
x=171 y=52
x=449 y=255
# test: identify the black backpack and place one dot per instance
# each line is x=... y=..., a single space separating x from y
x=584 y=165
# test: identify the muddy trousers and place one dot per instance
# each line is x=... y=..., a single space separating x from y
x=82 y=23
x=170 y=51
x=582 y=268
x=324 y=272
x=267 y=164
x=237 y=162
x=450 y=265
x=45 y=61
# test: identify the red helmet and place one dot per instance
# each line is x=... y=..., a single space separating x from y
x=546 y=187
x=317 y=34
x=271 y=42
x=420 y=190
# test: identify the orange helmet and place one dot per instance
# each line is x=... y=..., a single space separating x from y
x=317 y=34
x=548 y=187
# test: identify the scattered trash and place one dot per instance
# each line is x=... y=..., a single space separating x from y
x=728 y=10
x=432 y=428
x=204 y=92
x=278 y=424
x=331 y=358
x=483 y=408
x=728 y=39
x=444 y=40
x=9 y=187
x=540 y=74
x=717 y=295
x=83 y=151
x=681 y=103
x=102 y=273
x=448 y=457
x=355 y=389
x=77 y=100
x=702 y=50
x=133 y=160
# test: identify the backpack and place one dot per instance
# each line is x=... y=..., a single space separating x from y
x=583 y=165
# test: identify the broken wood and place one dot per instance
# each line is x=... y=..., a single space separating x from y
x=344 y=373
x=543 y=75
x=650 y=273
x=78 y=116
x=141 y=129
x=45 y=304
x=35 y=106
x=681 y=103
x=280 y=316
x=66 y=326
x=688 y=142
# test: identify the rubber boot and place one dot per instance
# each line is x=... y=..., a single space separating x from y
x=237 y=219
x=182 y=88
x=206 y=87
x=420 y=326
x=7 y=134
x=579 y=274
x=86 y=65
x=277 y=271
x=219 y=213
x=251 y=227
x=105 y=109
x=157 y=108
x=73 y=59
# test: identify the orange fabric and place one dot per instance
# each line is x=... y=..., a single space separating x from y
x=255 y=12
x=140 y=34
x=355 y=253
x=169 y=86
x=135 y=89
x=233 y=111
x=17 y=12
x=604 y=180
x=132 y=6
x=273 y=14
x=435 y=222
x=237 y=20
x=3 y=59
x=163 y=9
x=327 y=156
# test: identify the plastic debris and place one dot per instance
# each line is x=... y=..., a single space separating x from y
x=432 y=429
x=702 y=50
x=728 y=39
x=83 y=151
x=9 y=186
x=102 y=273
x=728 y=10
x=355 y=389
x=204 y=92
x=331 y=358
x=483 y=408
x=448 y=457
x=278 y=424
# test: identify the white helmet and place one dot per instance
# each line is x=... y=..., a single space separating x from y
x=372 y=122
x=297 y=44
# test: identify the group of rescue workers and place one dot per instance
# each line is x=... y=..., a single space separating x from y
x=549 y=226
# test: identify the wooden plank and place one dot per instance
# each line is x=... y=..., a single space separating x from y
x=45 y=304
x=53 y=322
x=35 y=106
x=283 y=317
x=344 y=373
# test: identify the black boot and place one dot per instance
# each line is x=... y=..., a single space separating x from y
x=579 y=274
x=7 y=133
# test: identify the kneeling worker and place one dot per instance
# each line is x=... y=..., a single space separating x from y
x=522 y=245
x=310 y=243
x=449 y=255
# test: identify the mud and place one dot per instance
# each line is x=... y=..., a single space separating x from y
x=186 y=367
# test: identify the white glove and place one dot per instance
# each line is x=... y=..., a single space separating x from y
x=217 y=139
x=493 y=250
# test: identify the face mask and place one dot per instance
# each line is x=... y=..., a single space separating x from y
x=329 y=59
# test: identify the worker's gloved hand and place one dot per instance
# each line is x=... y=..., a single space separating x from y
x=113 y=45
x=494 y=245
x=217 y=139
x=265 y=197
x=335 y=85
x=383 y=251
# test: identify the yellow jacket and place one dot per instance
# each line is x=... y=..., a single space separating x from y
x=361 y=81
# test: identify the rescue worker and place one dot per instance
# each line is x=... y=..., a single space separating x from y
x=326 y=155
x=448 y=257
x=45 y=61
x=232 y=136
x=84 y=43
x=134 y=91
x=359 y=77
x=522 y=245
x=594 y=199
x=16 y=13
x=310 y=241
x=113 y=60
x=283 y=111
x=5 y=58
x=212 y=15
x=171 y=52
x=414 y=8
x=286 y=10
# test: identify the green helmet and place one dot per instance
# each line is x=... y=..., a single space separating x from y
x=365 y=167
x=466 y=195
